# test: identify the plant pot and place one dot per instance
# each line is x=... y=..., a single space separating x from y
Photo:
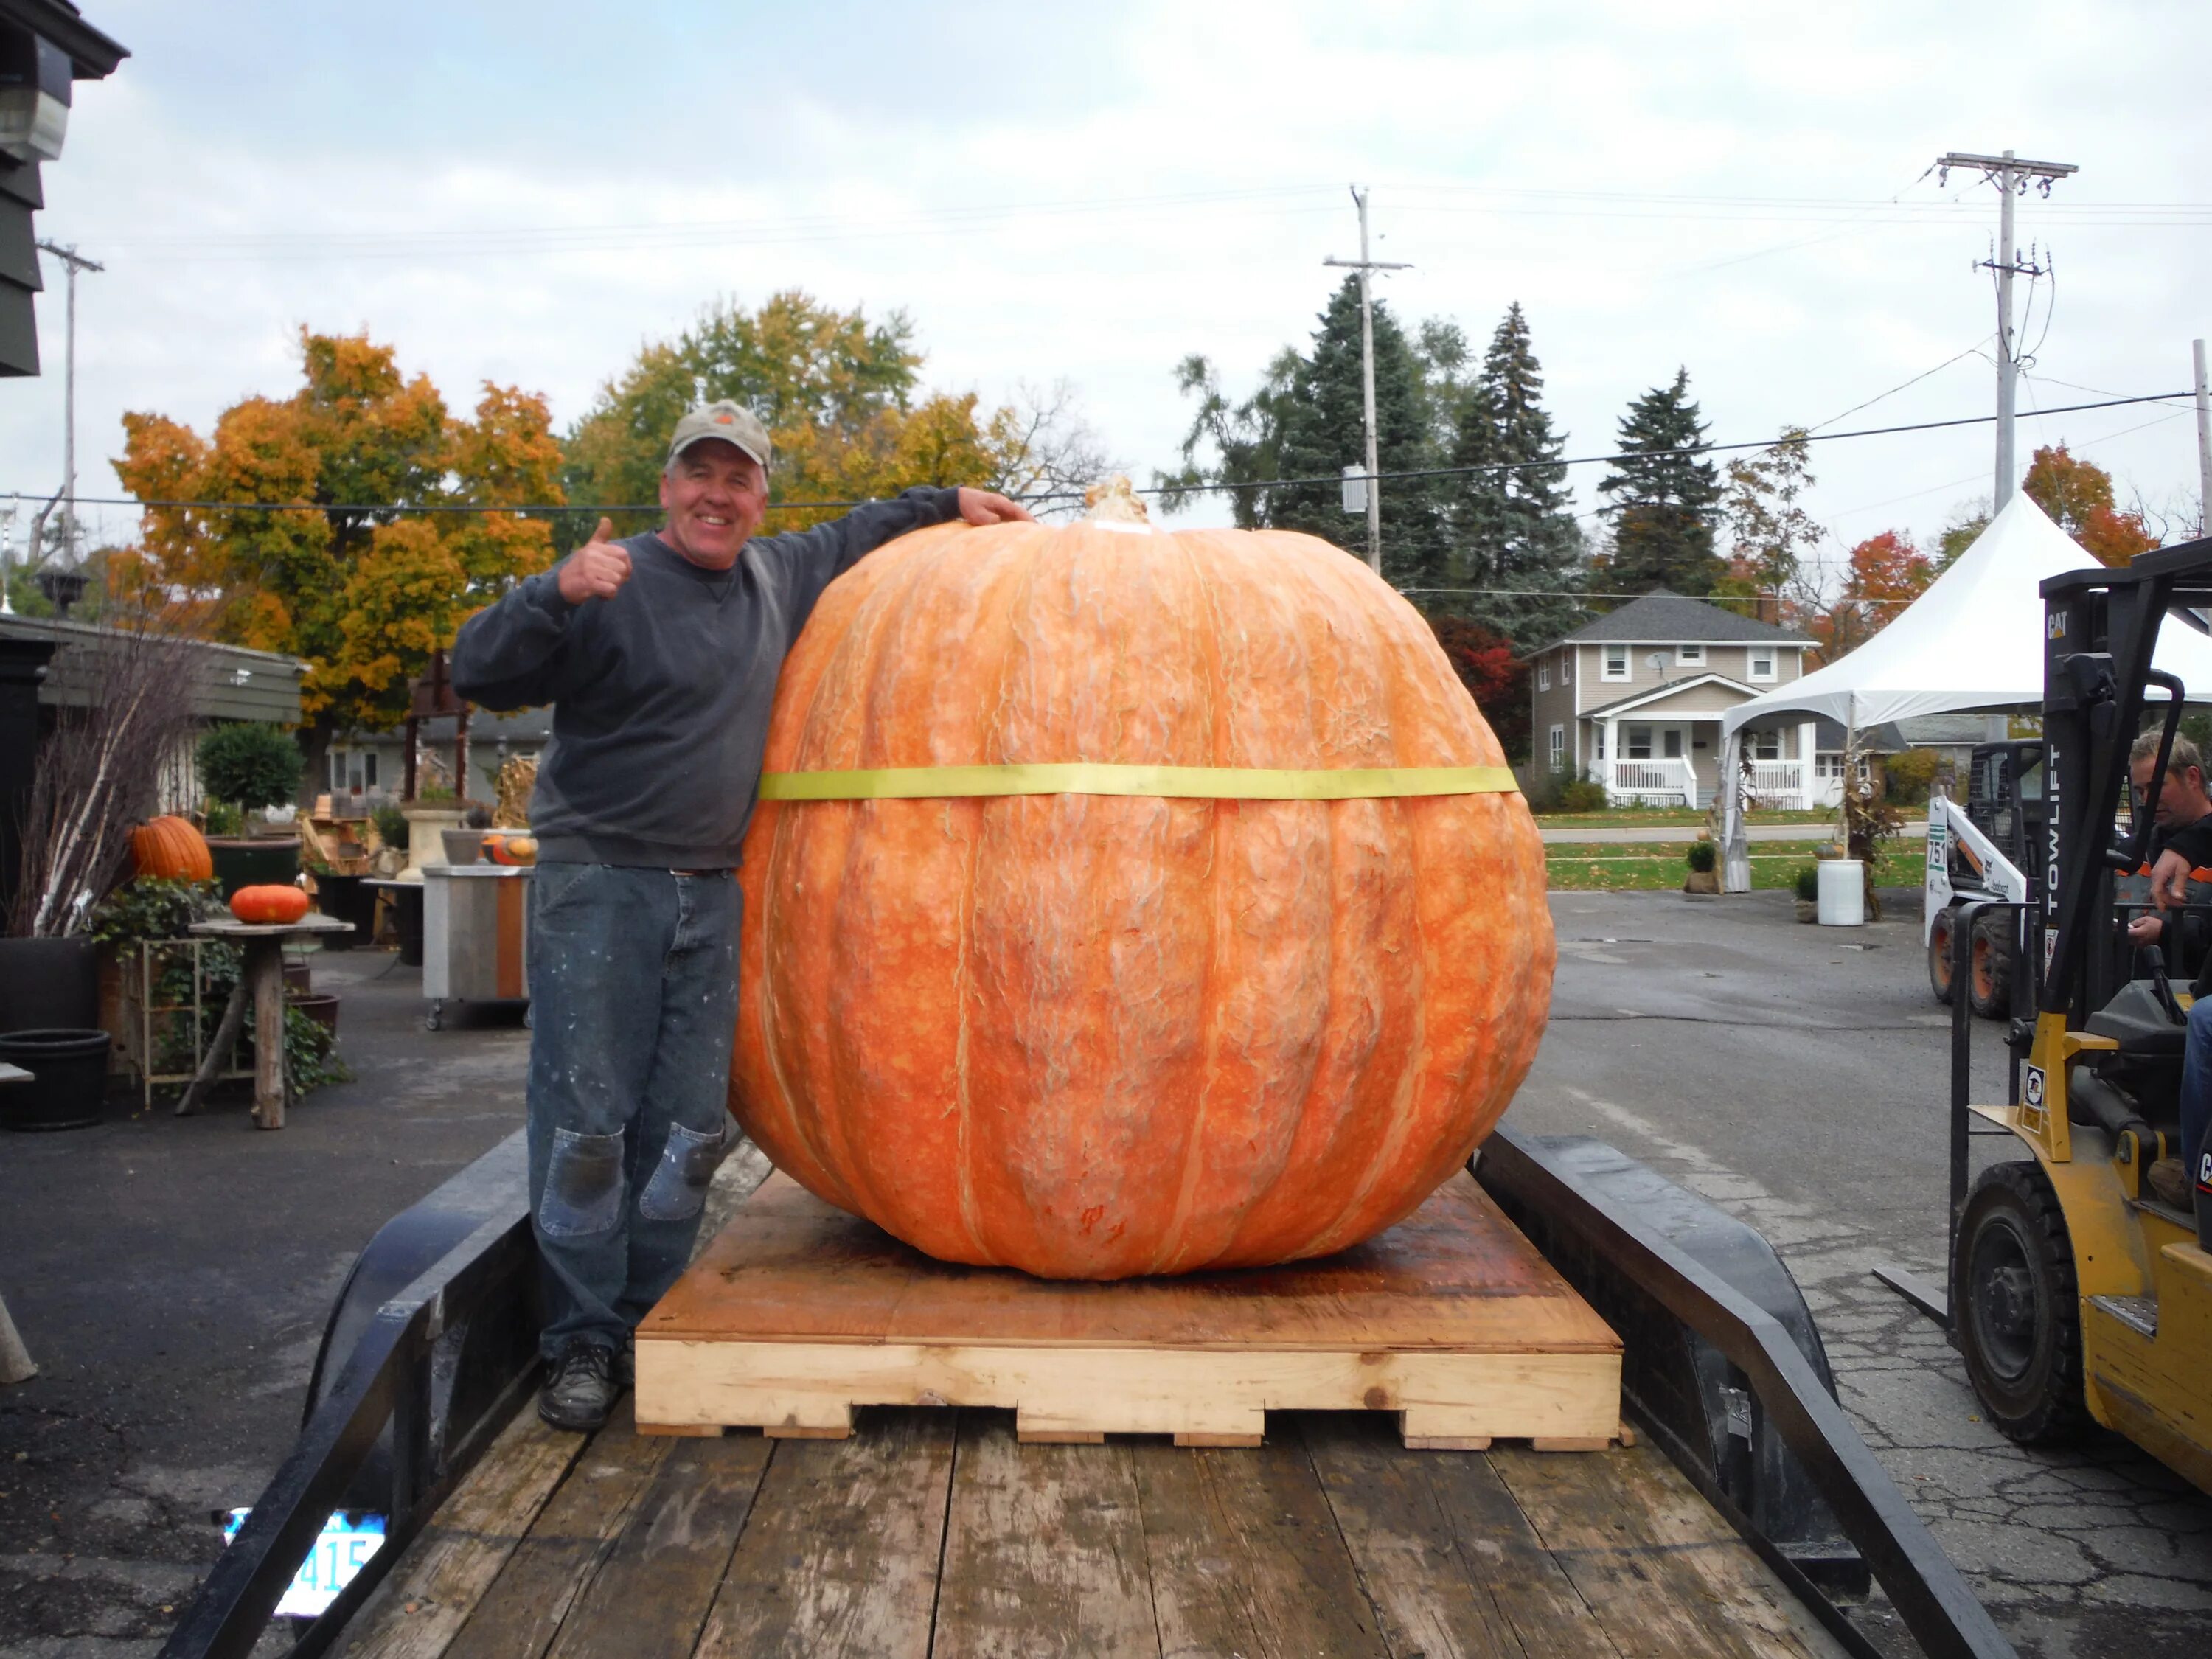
x=1807 y=910
x=463 y=846
x=299 y=978
x=425 y=827
x=69 y=1078
x=49 y=984
x=1702 y=881
x=346 y=898
x=254 y=860
x=320 y=1007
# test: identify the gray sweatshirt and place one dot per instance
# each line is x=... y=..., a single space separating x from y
x=661 y=695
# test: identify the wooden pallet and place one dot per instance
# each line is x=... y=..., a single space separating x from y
x=798 y=1313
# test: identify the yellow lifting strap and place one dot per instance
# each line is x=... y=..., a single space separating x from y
x=1101 y=778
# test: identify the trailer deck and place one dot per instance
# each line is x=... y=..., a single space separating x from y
x=933 y=1531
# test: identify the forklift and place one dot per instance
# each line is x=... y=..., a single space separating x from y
x=1990 y=847
x=2076 y=1296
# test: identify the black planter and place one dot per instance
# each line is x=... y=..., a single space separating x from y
x=254 y=860
x=49 y=983
x=407 y=913
x=69 y=1078
x=346 y=898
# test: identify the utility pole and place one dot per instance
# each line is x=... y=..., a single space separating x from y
x=1363 y=264
x=2203 y=445
x=2012 y=177
x=76 y=262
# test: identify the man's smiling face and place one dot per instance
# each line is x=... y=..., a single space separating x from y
x=716 y=496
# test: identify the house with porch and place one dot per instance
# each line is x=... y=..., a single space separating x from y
x=1634 y=699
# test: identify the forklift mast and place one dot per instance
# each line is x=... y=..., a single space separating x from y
x=2100 y=628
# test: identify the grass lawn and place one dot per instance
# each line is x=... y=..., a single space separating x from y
x=1657 y=866
x=1640 y=817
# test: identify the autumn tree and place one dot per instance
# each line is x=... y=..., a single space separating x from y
x=1884 y=573
x=2078 y=496
x=841 y=398
x=1495 y=675
x=353 y=576
x=1769 y=528
x=1665 y=495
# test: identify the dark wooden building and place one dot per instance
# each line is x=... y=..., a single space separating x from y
x=46 y=47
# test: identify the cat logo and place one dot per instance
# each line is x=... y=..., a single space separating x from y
x=2054 y=626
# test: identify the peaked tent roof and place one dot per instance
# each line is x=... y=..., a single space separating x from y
x=1660 y=617
x=1974 y=640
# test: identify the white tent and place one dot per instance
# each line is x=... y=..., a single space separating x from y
x=1973 y=641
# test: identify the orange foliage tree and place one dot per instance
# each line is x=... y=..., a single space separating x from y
x=2078 y=496
x=361 y=588
x=1887 y=572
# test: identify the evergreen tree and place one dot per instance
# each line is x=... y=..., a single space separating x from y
x=1665 y=501
x=1513 y=526
x=1324 y=431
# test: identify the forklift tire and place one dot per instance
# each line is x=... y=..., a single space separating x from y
x=2018 y=1311
x=1991 y=986
x=1939 y=954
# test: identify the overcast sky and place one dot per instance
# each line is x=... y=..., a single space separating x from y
x=524 y=193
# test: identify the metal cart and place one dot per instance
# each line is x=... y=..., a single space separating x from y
x=476 y=937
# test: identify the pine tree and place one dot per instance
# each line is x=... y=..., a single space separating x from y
x=1514 y=527
x=1324 y=431
x=1665 y=500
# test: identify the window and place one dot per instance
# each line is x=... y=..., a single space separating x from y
x=1558 y=748
x=336 y=785
x=1673 y=742
x=1543 y=676
x=1690 y=656
x=1616 y=662
x=1597 y=742
x=1762 y=662
x=369 y=768
x=1765 y=746
x=1566 y=666
x=1638 y=746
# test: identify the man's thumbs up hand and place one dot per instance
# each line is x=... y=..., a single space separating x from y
x=596 y=570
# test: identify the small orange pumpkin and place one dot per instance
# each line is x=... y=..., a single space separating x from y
x=170 y=849
x=269 y=905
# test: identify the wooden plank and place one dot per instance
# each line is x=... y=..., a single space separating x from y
x=1405 y=1547
x=840 y=1553
x=1044 y=1551
x=415 y=1611
x=788 y=1386
x=519 y=1615
x=655 y=1593
x=1664 y=1574
x=1455 y=1277
x=1245 y=1556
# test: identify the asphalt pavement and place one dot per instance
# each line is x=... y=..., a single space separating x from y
x=172 y=1276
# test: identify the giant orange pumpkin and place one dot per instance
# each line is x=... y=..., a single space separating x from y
x=268 y=905
x=171 y=849
x=1092 y=1035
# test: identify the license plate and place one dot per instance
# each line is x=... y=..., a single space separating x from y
x=349 y=1538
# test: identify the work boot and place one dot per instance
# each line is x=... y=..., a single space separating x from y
x=579 y=1388
x=2168 y=1183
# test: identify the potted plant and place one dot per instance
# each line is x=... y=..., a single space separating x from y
x=1808 y=893
x=1702 y=858
x=250 y=766
x=464 y=845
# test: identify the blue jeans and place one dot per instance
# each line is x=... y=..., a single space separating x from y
x=633 y=1002
x=2197 y=1089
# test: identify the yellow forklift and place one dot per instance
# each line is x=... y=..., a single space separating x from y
x=2074 y=1295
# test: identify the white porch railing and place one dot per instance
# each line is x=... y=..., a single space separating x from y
x=1651 y=783
x=1782 y=785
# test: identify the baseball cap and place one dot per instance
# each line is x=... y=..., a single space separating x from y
x=732 y=422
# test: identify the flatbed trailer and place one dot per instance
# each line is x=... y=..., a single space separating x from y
x=1737 y=1515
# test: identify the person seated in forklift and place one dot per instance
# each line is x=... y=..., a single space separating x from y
x=659 y=654
x=2176 y=871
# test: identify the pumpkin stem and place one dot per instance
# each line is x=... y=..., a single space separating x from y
x=1115 y=501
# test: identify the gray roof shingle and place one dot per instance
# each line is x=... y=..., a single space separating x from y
x=1663 y=618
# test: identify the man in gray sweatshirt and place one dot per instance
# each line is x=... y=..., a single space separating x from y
x=659 y=654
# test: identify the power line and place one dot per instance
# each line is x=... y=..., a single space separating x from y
x=542 y=509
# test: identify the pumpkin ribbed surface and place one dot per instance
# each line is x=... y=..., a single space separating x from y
x=269 y=904
x=171 y=849
x=1095 y=1036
